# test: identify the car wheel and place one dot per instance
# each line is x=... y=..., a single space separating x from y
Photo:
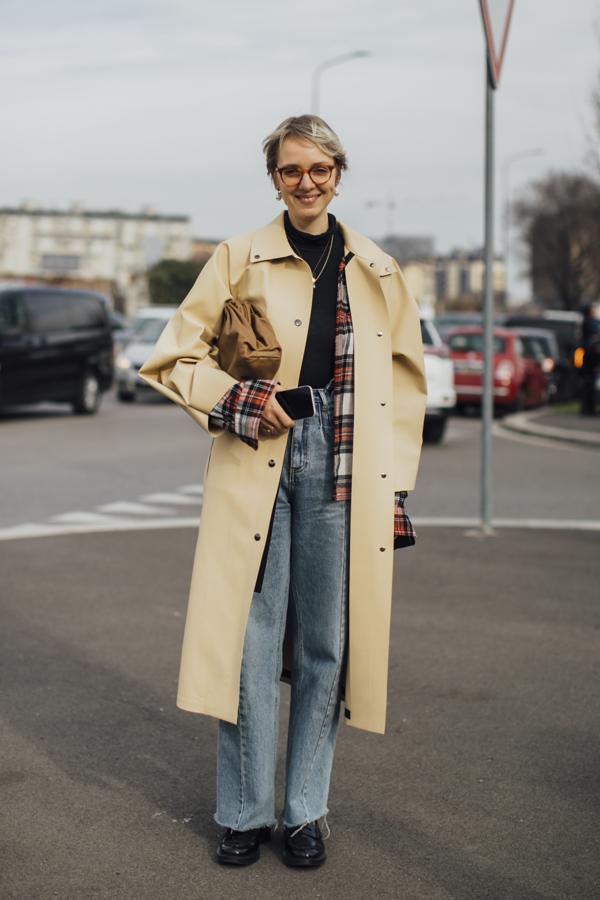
x=434 y=430
x=520 y=400
x=125 y=396
x=88 y=396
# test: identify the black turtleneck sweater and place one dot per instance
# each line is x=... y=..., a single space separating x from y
x=318 y=361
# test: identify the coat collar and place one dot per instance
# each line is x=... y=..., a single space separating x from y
x=271 y=242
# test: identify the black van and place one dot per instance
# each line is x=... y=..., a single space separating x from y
x=55 y=344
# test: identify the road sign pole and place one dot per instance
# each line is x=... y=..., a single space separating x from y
x=486 y=487
x=496 y=16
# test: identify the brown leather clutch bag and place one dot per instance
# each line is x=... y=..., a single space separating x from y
x=248 y=346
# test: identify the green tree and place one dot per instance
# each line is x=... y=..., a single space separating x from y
x=169 y=280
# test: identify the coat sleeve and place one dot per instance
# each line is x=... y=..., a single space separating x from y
x=182 y=365
x=409 y=384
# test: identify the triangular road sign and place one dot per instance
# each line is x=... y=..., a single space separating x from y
x=496 y=21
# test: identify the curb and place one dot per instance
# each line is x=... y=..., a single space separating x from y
x=524 y=423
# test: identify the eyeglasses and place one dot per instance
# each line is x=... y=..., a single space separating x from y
x=292 y=175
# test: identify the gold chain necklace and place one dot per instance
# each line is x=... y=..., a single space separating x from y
x=314 y=275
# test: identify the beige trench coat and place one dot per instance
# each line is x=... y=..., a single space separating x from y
x=240 y=484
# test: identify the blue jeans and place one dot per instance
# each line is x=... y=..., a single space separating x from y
x=307 y=561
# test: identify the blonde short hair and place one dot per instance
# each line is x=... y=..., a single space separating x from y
x=309 y=128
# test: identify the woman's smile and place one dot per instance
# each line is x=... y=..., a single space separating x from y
x=307 y=199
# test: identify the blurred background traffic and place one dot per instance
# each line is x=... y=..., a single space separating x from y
x=65 y=344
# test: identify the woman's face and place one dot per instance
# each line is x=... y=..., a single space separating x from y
x=306 y=201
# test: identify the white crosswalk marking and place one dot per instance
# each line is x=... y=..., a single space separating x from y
x=129 y=508
x=192 y=489
x=82 y=517
x=169 y=498
x=156 y=510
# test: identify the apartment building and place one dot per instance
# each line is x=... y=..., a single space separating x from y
x=107 y=250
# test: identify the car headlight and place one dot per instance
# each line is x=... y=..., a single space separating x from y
x=122 y=362
x=504 y=371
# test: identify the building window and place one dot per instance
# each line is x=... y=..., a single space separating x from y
x=441 y=283
x=52 y=262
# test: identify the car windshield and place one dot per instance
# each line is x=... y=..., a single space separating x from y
x=532 y=347
x=473 y=343
x=146 y=331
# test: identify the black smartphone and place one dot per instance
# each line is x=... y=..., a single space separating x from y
x=298 y=403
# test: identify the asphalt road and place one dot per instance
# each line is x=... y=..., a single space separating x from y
x=56 y=464
x=486 y=784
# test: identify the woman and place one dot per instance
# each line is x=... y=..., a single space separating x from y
x=299 y=519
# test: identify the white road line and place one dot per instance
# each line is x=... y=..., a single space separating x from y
x=142 y=509
x=534 y=524
x=192 y=489
x=169 y=498
x=81 y=517
x=35 y=530
x=444 y=521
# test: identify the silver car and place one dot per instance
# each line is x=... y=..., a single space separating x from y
x=146 y=329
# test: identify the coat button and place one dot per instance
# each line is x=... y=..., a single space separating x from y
x=387 y=269
x=271 y=462
x=382 y=549
x=372 y=264
x=383 y=475
x=257 y=256
x=382 y=403
x=257 y=536
x=380 y=334
x=297 y=321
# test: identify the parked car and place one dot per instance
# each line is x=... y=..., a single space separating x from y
x=566 y=327
x=56 y=344
x=146 y=329
x=541 y=345
x=446 y=322
x=441 y=396
x=120 y=328
x=518 y=382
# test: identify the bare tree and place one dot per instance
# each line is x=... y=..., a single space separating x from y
x=592 y=156
x=559 y=217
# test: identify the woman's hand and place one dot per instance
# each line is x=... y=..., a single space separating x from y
x=274 y=420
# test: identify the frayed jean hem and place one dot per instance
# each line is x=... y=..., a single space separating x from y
x=273 y=824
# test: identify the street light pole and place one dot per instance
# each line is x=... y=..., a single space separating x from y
x=515 y=157
x=390 y=206
x=327 y=64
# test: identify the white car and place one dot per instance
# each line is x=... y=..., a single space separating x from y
x=439 y=371
x=146 y=329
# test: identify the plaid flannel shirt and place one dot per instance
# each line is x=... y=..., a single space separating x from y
x=241 y=407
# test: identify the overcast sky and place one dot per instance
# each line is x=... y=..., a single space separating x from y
x=122 y=103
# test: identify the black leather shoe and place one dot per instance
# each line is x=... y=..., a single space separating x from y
x=305 y=848
x=241 y=848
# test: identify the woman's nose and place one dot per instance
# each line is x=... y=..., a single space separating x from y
x=306 y=182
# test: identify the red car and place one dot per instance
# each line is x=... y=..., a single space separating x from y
x=519 y=380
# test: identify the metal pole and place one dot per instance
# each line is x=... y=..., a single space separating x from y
x=486 y=491
x=314 y=93
x=318 y=71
